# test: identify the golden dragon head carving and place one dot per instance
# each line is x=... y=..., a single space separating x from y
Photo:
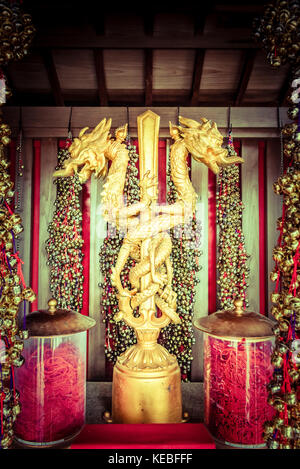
x=90 y=151
x=204 y=142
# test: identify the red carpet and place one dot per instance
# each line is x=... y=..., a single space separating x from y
x=144 y=436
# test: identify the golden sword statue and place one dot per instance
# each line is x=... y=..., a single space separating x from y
x=146 y=377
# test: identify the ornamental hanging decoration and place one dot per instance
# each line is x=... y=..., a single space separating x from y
x=278 y=31
x=232 y=255
x=283 y=431
x=179 y=339
x=64 y=245
x=16 y=35
x=16 y=32
x=13 y=293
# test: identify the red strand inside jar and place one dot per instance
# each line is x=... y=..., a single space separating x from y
x=237 y=374
x=52 y=393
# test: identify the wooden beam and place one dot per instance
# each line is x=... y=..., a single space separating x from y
x=199 y=23
x=239 y=7
x=148 y=77
x=52 y=121
x=100 y=73
x=200 y=15
x=96 y=17
x=149 y=24
x=198 y=67
x=48 y=60
x=248 y=62
x=86 y=38
x=123 y=97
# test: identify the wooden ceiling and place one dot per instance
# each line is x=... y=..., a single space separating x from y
x=201 y=55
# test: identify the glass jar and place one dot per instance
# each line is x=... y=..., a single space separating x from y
x=52 y=380
x=237 y=369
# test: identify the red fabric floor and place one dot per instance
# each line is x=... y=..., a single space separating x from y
x=144 y=436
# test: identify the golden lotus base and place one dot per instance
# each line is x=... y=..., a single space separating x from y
x=148 y=395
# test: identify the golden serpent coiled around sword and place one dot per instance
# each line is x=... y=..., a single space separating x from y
x=143 y=267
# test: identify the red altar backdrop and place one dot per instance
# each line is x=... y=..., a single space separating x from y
x=262 y=208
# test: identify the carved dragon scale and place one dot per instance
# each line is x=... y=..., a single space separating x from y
x=90 y=153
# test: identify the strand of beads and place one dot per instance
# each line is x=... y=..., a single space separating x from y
x=179 y=339
x=13 y=291
x=283 y=431
x=232 y=256
x=283 y=45
x=64 y=245
x=16 y=33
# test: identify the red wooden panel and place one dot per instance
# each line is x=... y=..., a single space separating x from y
x=35 y=221
x=262 y=227
x=212 y=243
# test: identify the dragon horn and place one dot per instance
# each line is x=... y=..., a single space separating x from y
x=100 y=132
x=108 y=124
x=189 y=122
x=82 y=132
x=101 y=127
x=205 y=125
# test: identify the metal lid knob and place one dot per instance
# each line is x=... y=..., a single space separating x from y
x=52 y=305
x=238 y=307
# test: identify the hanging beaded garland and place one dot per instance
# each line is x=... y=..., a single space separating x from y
x=179 y=339
x=13 y=292
x=283 y=431
x=16 y=32
x=278 y=31
x=64 y=245
x=118 y=335
x=232 y=256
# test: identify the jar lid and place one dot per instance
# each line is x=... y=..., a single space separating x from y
x=236 y=323
x=55 y=322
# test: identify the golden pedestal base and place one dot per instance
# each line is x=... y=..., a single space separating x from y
x=146 y=387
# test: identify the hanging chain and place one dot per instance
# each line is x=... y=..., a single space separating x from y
x=281 y=152
x=279 y=122
x=18 y=179
x=70 y=135
x=128 y=133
